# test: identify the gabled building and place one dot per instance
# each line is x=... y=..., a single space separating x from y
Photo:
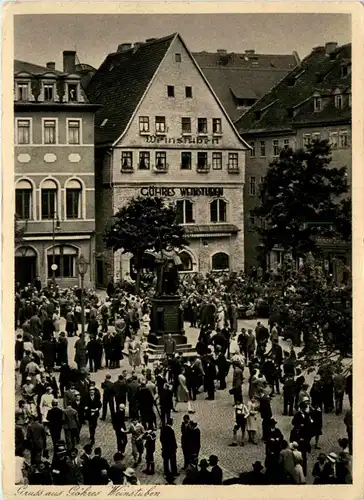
x=162 y=131
x=241 y=79
x=312 y=101
x=54 y=173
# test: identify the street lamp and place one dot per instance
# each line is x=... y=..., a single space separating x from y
x=55 y=225
x=82 y=266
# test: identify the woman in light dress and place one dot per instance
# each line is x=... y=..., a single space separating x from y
x=46 y=403
x=134 y=352
x=56 y=321
x=145 y=324
x=183 y=395
x=220 y=318
x=252 y=420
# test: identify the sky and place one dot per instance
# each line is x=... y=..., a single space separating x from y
x=42 y=38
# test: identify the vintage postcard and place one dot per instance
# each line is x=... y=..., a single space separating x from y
x=182 y=249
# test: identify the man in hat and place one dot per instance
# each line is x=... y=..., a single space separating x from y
x=166 y=403
x=273 y=447
x=130 y=477
x=332 y=458
x=55 y=422
x=107 y=397
x=238 y=378
x=216 y=470
x=170 y=346
x=169 y=449
x=252 y=477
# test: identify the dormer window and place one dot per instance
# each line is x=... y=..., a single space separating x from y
x=345 y=70
x=48 y=91
x=72 y=92
x=23 y=91
x=338 y=101
x=317 y=105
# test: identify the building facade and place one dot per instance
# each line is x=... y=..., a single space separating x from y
x=54 y=173
x=171 y=138
x=311 y=102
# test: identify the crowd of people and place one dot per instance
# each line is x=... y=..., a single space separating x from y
x=57 y=402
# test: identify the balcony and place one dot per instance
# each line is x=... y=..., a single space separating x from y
x=203 y=169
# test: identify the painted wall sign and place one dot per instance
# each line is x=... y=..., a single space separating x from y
x=182 y=191
x=188 y=139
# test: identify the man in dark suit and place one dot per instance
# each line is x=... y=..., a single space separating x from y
x=120 y=391
x=107 y=397
x=118 y=422
x=71 y=426
x=74 y=473
x=216 y=471
x=86 y=464
x=36 y=436
x=92 y=349
x=169 y=449
x=92 y=412
x=169 y=345
x=98 y=464
x=289 y=392
x=55 y=422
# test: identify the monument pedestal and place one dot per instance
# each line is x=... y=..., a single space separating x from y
x=166 y=318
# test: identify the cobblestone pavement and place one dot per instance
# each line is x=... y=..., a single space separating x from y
x=216 y=420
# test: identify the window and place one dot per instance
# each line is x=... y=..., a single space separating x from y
x=317 y=104
x=144 y=160
x=65 y=257
x=160 y=160
x=48 y=91
x=170 y=90
x=339 y=101
x=186 y=125
x=49 y=132
x=316 y=136
x=252 y=151
x=218 y=211
x=343 y=139
x=275 y=147
x=177 y=58
x=74 y=132
x=306 y=139
x=202 y=125
x=333 y=140
x=233 y=161
x=22 y=91
x=251 y=218
x=143 y=123
x=252 y=186
x=73 y=200
x=202 y=160
x=345 y=70
x=72 y=92
x=127 y=160
x=216 y=126
x=23 y=200
x=186 y=261
x=220 y=261
x=188 y=92
x=216 y=161
x=186 y=160
x=160 y=124
x=49 y=199
x=23 y=131
x=184 y=209
x=262 y=149
x=286 y=143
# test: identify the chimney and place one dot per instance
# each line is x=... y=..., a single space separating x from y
x=51 y=65
x=250 y=51
x=150 y=40
x=123 y=47
x=319 y=48
x=330 y=47
x=137 y=45
x=69 y=61
x=221 y=51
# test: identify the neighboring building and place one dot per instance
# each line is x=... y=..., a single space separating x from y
x=54 y=172
x=239 y=80
x=162 y=131
x=312 y=101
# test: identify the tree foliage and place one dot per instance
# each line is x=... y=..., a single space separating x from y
x=145 y=223
x=18 y=233
x=300 y=200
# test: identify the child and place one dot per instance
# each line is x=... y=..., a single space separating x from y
x=150 y=438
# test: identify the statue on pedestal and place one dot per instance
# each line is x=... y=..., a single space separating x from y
x=168 y=262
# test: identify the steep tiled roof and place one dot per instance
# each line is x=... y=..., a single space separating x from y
x=290 y=102
x=243 y=76
x=34 y=69
x=119 y=84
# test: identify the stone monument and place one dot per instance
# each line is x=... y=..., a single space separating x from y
x=167 y=312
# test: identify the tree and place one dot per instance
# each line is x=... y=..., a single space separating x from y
x=145 y=223
x=18 y=233
x=301 y=199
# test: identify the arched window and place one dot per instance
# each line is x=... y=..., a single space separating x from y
x=23 y=200
x=218 y=211
x=220 y=261
x=73 y=199
x=184 y=212
x=186 y=261
x=65 y=258
x=49 y=199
